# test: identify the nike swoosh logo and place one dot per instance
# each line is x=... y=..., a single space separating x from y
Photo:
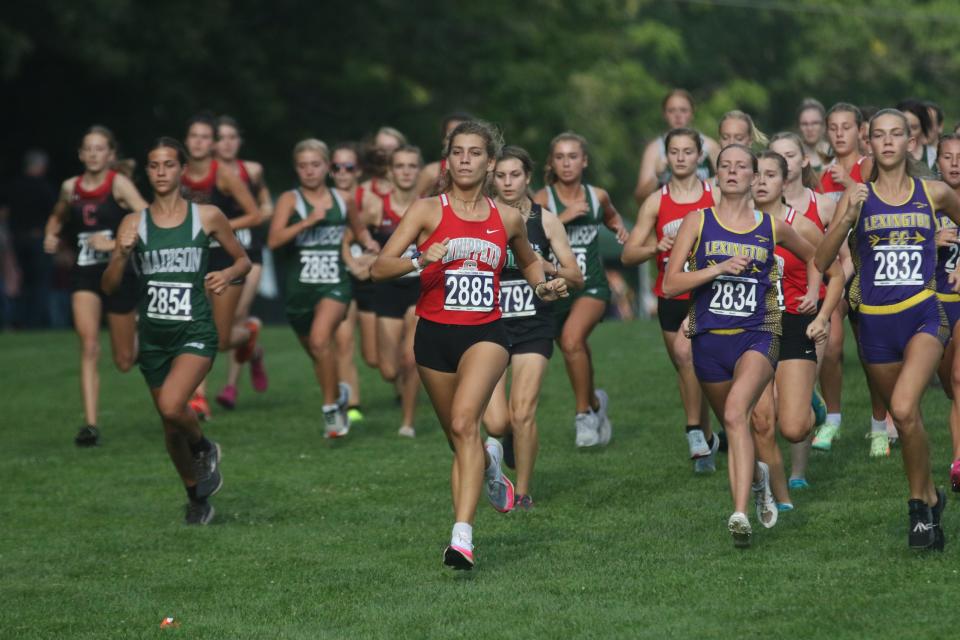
x=491 y=231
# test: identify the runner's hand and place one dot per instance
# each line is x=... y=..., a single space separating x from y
x=434 y=253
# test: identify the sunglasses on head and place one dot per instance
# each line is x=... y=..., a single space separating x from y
x=343 y=166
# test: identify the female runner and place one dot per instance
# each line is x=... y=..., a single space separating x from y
x=307 y=232
x=206 y=182
x=805 y=317
x=891 y=226
x=948 y=252
x=737 y=127
x=678 y=109
x=395 y=300
x=528 y=322
x=581 y=208
x=90 y=209
x=251 y=174
x=429 y=178
x=460 y=344
x=345 y=171
x=811 y=122
x=734 y=317
x=170 y=246
x=653 y=236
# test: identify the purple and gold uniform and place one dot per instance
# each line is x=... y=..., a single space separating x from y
x=731 y=315
x=894 y=288
x=947 y=264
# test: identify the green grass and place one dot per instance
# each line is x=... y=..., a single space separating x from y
x=314 y=541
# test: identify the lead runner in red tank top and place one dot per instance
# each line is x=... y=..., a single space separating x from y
x=806 y=306
x=652 y=237
x=89 y=212
x=460 y=343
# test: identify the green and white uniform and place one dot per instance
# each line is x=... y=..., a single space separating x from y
x=314 y=265
x=175 y=316
x=583 y=233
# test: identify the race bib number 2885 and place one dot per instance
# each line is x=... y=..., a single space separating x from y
x=468 y=290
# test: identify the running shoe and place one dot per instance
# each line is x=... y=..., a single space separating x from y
x=227 y=398
x=199 y=404
x=708 y=464
x=892 y=434
x=722 y=436
x=199 y=512
x=509 y=458
x=879 y=444
x=88 y=436
x=459 y=554
x=498 y=487
x=922 y=532
x=523 y=502
x=587 y=426
x=332 y=425
x=819 y=408
x=763 y=497
x=407 y=431
x=258 y=373
x=798 y=483
x=784 y=506
x=739 y=527
x=355 y=415
x=343 y=399
x=244 y=352
x=697 y=443
x=937 y=512
x=955 y=476
x=206 y=471
x=826 y=434
x=605 y=427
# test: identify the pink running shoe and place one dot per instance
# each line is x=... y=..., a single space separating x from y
x=258 y=373
x=227 y=398
x=458 y=558
x=955 y=475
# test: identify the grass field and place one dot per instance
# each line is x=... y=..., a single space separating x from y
x=314 y=541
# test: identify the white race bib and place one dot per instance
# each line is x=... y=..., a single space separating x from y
x=733 y=296
x=319 y=267
x=88 y=256
x=169 y=300
x=898 y=265
x=517 y=299
x=468 y=290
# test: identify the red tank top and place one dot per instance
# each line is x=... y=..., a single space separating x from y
x=813 y=211
x=793 y=273
x=358 y=197
x=828 y=185
x=244 y=174
x=203 y=185
x=669 y=217
x=464 y=287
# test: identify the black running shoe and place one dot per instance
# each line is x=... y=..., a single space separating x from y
x=922 y=531
x=937 y=512
x=206 y=468
x=458 y=558
x=199 y=512
x=88 y=436
x=508 y=458
x=722 y=436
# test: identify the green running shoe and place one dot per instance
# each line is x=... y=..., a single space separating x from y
x=825 y=436
x=355 y=415
x=879 y=444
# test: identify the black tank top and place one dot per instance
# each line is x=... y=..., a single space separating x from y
x=525 y=316
x=93 y=212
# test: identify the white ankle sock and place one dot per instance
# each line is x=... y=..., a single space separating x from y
x=833 y=418
x=329 y=407
x=878 y=426
x=462 y=532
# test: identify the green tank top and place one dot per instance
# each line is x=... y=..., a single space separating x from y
x=583 y=234
x=313 y=259
x=171 y=264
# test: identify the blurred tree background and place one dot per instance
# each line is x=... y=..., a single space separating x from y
x=337 y=71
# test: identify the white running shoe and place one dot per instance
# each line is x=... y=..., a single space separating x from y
x=604 y=428
x=333 y=424
x=407 y=431
x=708 y=463
x=739 y=527
x=588 y=429
x=763 y=497
x=498 y=486
x=697 y=442
x=892 y=434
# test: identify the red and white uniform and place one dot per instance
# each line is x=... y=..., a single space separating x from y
x=464 y=287
x=829 y=186
x=813 y=211
x=669 y=216
x=793 y=274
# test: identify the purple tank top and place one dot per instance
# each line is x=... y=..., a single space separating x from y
x=893 y=248
x=746 y=301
